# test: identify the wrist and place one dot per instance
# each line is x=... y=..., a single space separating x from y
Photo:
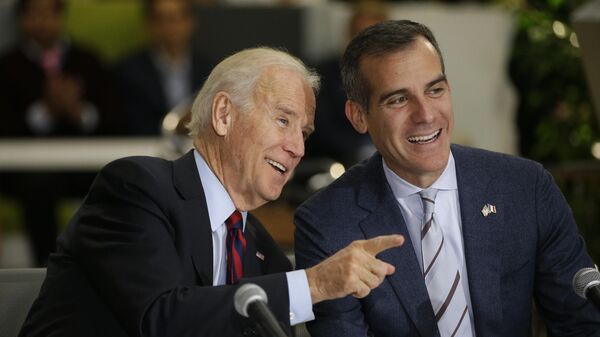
x=313 y=285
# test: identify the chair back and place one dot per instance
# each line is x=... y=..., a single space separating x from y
x=18 y=289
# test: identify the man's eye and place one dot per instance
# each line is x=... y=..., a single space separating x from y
x=396 y=101
x=282 y=121
x=437 y=92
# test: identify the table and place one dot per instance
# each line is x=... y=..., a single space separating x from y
x=75 y=154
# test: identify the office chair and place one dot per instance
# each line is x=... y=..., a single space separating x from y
x=18 y=289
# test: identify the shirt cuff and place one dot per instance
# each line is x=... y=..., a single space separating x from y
x=299 y=294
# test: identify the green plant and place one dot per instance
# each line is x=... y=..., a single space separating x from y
x=556 y=121
x=555 y=117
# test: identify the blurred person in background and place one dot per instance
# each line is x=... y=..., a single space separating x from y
x=50 y=87
x=335 y=137
x=167 y=73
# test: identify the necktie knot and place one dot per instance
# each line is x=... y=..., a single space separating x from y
x=234 y=221
x=428 y=198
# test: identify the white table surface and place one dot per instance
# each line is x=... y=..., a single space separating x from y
x=75 y=154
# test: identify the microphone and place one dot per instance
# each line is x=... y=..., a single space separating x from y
x=586 y=284
x=250 y=300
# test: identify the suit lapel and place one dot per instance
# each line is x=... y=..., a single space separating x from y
x=386 y=218
x=252 y=265
x=188 y=184
x=482 y=236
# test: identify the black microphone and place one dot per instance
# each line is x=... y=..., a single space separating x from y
x=587 y=285
x=250 y=300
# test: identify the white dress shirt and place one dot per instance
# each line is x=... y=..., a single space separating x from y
x=447 y=215
x=220 y=206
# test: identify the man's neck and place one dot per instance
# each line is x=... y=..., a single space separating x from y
x=213 y=158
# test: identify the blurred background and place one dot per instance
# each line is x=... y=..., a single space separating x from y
x=83 y=82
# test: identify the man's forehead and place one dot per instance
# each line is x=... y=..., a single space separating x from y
x=372 y=64
x=418 y=42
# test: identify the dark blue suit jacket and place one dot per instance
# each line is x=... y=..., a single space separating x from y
x=529 y=250
x=136 y=260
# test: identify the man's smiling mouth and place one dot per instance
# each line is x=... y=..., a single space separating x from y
x=277 y=166
x=426 y=138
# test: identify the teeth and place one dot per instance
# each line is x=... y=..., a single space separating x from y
x=277 y=165
x=423 y=139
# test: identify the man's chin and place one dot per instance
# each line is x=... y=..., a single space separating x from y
x=272 y=195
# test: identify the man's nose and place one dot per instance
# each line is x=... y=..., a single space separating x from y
x=295 y=144
x=422 y=111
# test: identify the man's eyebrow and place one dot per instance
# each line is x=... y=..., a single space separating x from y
x=286 y=110
x=441 y=78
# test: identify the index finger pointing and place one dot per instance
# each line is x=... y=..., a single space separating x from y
x=378 y=244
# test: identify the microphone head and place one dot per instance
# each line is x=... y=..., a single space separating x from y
x=584 y=279
x=247 y=294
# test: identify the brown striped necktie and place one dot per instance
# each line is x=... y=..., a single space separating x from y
x=442 y=275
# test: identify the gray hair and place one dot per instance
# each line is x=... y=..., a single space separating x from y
x=238 y=75
x=379 y=40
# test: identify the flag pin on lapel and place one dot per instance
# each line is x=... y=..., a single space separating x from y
x=260 y=255
x=487 y=209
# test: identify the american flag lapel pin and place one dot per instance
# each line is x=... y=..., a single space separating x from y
x=488 y=209
x=260 y=255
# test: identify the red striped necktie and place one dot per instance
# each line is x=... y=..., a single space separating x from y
x=236 y=246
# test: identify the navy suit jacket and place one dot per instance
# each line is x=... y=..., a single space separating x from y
x=528 y=250
x=137 y=260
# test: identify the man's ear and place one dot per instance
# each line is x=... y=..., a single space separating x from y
x=222 y=109
x=356 y=115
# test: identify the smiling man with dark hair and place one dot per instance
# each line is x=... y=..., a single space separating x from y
x=487 y=233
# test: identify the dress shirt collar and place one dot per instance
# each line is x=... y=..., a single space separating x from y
x=402 y=188
x=219 y=203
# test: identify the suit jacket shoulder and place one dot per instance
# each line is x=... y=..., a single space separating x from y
x=345 y=203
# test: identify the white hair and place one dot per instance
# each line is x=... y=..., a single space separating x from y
x=238 y=75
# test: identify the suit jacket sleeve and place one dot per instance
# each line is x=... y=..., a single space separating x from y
x=561 y=253
x=339 y=317
x=127 y=242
